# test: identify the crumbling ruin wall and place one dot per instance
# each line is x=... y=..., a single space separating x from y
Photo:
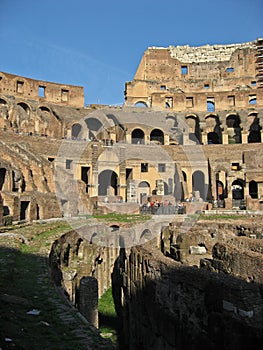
x=165 y=305
x=76 y=255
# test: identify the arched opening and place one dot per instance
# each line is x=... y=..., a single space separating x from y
x=108 y=183
x=220 y=190
x=96 y=129
x=198 y=184
x=24 y=210
x=137 y=136
x=76 y=130
x=210 y=106
x=144 y=191
x=141 y=104
x=2 y=102
x=212 y=138
x=145 y=236
x=213 y=129
x=233 y=129
x=238 y=190
x=25 y=107
x=2 y=177
x=254 y=135
x=253 y=189
x=157 y=136
x=194 y=128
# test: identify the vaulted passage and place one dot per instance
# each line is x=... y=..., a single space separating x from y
x=108 y=181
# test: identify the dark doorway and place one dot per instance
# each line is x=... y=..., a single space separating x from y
x=85 y=176
x=108 y=179
x=24 y=210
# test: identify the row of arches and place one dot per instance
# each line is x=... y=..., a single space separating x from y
x=233 y=128
x=21 y=118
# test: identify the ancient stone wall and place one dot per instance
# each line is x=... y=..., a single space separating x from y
x=41 y=91
x=185 y=78
x=165 y=304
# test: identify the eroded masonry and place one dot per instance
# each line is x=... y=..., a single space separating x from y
x=188 y=139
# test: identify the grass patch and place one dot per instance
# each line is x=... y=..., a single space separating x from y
x=108 y=321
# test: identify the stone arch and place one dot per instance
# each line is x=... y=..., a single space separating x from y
x=157 y=136
x=25 y=107
x=76 y=130
x=198 y=183
x=254 y=135
x=238 y=189
x=108 y=183
x=97 y=129
x=141 y=104
x=253 y=189
x=143 y=190
x=48 y=124
x=193 y=123
x=233 y=128
x=3 y=102
x=213 y=129
x=138 y=136
x=145 y=236
x=2 y=177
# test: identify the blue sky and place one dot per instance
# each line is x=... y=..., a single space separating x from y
x=98 y=44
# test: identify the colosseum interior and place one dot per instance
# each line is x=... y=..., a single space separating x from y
x=187 y=140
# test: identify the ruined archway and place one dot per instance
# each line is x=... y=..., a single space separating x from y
x=198 y=184
x=254 y=135
x=108 y=183
x=194 y=128
x=233 y=128
x=143 y=190
x=76 y=130
x=137 y=136
x=157 y=136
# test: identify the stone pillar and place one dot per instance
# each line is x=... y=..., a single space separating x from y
x=204 y=137
x=167 y=139
x=244 y=136
x=225 y=138
x=128 y=138
x=88 y=299
x=1 y=210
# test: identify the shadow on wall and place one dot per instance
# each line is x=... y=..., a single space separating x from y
x=164 y=305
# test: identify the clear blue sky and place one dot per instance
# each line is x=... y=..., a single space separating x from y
x=98 y=44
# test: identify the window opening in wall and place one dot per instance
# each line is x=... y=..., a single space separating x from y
x=64 y=95
x=168 y=102
x=252 y=99
x=41 y=91
x=253 y=83
x=206 y=86
x=253 y=189
x=189 y=102
x=184 y=70
x=230 y=69
x=163 y=87
x=68 y=163
x=210 y=103
x=235 y=166
x=231 y=100
x=51 y=159
x=161 y=168
x=144 y=167
x=20 y=87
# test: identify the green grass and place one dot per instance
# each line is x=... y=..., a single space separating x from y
x=108 y=321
